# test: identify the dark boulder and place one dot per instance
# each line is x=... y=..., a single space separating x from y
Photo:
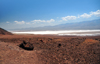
x=59 y=45
x=26 y=45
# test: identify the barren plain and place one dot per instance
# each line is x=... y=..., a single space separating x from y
x=50 y=49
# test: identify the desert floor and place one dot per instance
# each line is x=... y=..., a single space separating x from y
x=50 y=49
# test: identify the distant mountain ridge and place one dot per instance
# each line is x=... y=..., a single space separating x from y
x=85 y=25
x=4 y=32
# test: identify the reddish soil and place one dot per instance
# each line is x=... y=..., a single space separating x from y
x=49 y=49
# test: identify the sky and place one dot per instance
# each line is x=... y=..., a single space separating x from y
x=15 y=14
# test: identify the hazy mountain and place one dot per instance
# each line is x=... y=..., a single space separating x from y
x=85 y=25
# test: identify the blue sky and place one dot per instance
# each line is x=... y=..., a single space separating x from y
x=36 y=13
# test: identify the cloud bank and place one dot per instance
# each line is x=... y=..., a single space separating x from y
x=97 y=13
x=66 y=18
x=37 y=21
x=69 y=18
x=19 y=22
x=84 y=15
x=34 y=21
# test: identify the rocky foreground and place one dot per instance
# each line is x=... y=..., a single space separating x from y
x=49 y=49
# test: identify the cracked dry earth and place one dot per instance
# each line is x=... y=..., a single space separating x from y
x=50 y=50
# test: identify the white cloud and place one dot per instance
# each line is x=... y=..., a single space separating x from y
x=69 y=18
x=19 y=22
x=85 y=15
x=37 y=21
x=51 y=20
x=97 y=13
x=7 y=22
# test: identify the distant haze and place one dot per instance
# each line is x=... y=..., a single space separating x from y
x=85 y=25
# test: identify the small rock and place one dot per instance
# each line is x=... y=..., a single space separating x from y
x=26 y=45
x=59 y=45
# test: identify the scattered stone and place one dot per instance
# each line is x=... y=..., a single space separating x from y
x=44 y=41
x=59 y=45
x=26 y=45
x=41 y=40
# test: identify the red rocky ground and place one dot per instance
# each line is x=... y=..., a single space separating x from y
x=50 y=49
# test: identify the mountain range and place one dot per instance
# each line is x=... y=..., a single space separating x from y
x=84 y=25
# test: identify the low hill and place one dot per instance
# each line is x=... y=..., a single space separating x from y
x=4 y=32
